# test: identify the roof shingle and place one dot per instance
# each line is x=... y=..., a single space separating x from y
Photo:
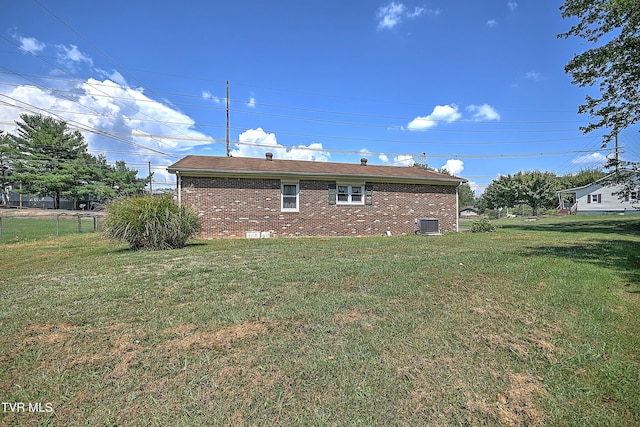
x=247 y=166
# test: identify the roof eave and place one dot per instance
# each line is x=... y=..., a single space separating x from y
x=322 y=177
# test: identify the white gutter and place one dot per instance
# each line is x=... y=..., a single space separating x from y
x=179 y=187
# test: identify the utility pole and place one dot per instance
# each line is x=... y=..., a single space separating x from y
x=227 y=139
x=150 y=180
x=617 y=157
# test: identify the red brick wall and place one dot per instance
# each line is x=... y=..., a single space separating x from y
x=229 y=207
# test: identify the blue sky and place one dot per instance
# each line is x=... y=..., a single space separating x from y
x=474 y=86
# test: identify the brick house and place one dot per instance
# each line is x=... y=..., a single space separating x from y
x=249 y=197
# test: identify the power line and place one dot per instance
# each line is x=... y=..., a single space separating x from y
x=81 y=127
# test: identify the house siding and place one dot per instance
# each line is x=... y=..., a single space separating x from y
x=607 y=202
x=230 y=207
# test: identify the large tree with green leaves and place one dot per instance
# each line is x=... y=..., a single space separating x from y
x=612 y=63
x=533 y=188
x=536 y=189
x=46 y=162
x=7 y=152
x=500 y=193
x=101 y=181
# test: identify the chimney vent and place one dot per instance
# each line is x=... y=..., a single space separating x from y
x=269 y=155
x=363 y=161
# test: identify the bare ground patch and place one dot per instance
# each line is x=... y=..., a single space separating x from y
x=515 y=406
x=366 y=319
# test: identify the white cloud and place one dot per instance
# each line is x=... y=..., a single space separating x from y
x=106 y=106
x=31 y=44
x=257 y=142
x=418 y=11
x=72 y=54
x=492 y=23
x=117 y=78
x=403 y=160
x=390 y=15
x=483 y=112
x=454 y=166
x=512 y=5
x=440 y=113
x=208 y=95
x=590 y=159
x=252 y=102
x=533 y=75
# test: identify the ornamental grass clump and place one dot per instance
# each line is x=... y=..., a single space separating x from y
x=482 y=225
x=151 y=222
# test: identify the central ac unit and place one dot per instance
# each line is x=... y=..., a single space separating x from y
x=428 y=226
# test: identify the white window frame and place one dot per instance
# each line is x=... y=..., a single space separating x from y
x=350 y=193
x=282 y=196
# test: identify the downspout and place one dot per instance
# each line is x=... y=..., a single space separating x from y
x=179 y=187
x=458 y=209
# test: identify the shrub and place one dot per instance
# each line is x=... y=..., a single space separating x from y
x=151 y=222
x=482 y=225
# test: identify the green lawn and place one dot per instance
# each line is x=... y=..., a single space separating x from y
x=21 y=230
x=536 y=323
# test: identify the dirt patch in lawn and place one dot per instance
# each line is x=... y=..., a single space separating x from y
x=365 y=319
x=225 y=337
x=516 y=405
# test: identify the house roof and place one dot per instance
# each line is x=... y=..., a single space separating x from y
x=278 y=168
x=606 y=179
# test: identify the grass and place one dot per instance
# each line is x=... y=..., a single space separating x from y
x=533 y=324
x=20 y=230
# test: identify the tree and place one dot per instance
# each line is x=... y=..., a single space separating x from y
x=100 y=181
x=500 y=193
x=613 y=65
x=47 y=156
x=7 y=152
x=466 y=196
x=536 y=189
x=533 y=188
x=582 y=178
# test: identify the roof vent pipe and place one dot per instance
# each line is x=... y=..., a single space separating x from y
x=269 y=155
x=363 y=162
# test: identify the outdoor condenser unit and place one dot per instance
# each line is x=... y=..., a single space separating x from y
x=428 y=226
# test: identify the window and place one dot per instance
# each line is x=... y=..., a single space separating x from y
x=350 y=194
x=289 y=195
x=594 y=198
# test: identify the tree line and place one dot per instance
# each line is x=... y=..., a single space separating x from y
x=45 y=158
x=535 y=189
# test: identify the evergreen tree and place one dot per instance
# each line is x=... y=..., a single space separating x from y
x=466 y=196
x=7 y=153
x=47 y=156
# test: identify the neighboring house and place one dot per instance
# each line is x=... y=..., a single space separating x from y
x=249 y=197
x=598 y=197
x=469 y=211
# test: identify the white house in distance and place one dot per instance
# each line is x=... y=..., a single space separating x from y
x=598 y=198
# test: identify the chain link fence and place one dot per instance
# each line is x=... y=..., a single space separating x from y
x=27 y=225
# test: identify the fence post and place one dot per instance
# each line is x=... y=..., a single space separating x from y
x=79 y=224
x=95 y=224
x=0 y=227
x=58 y=225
